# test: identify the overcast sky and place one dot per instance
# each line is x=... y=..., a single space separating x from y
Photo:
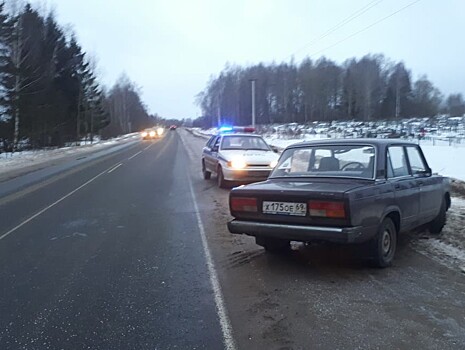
x=170 y=48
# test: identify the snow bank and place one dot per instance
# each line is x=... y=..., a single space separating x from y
x=19 y=160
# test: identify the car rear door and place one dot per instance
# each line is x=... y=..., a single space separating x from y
x=405 y=186
x=430 y=186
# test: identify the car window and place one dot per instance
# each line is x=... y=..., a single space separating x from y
x=327 y=161
x=390 y=171
x=320 y=153
x=398 y=162
x=210 y=141
x=244 y=143
x=417 y=164
x=300 y=161
x=216 y=142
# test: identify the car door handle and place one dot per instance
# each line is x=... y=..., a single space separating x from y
x=397 y=187
x=420 y=183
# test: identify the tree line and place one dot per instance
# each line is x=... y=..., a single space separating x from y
x=50 y=94
x=368 y=89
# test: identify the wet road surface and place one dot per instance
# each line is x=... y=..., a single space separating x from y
x=120 y=264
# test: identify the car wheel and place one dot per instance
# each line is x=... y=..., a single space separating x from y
x=206 y=174
x=436 y=226
x=273 y=245
x=384 y=245
x=222 y=183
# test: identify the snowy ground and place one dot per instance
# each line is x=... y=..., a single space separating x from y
x=449 y=247
x=24 y=159
x=443 y=158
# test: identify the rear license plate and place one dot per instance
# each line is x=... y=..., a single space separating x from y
x=285 y=208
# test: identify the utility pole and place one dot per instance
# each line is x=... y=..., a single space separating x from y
x=397 y=112
x=253 y=101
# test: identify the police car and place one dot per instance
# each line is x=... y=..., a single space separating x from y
x=237 y=154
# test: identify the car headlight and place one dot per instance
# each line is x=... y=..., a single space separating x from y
x=152 y=133
x=273 y=163
x=238 y=163
x=160 y=131
x=144 y=134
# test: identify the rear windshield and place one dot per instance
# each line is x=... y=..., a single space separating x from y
x=327 y=161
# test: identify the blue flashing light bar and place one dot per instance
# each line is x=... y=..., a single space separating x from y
x=226 y=128
x=232 y=129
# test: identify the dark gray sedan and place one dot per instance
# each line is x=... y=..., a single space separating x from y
x=345 y=191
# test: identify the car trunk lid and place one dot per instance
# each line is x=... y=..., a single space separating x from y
x=324 y=199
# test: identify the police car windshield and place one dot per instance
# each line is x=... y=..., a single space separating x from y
x=236 y=142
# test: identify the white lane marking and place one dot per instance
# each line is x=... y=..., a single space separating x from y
x=52 y=205
x=148 y=147
x=219 y=300
x=218 y=294
x=114 y=168
x=134 y=155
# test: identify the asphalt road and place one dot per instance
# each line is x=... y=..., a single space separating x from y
x=118 y=264
x=109 y=256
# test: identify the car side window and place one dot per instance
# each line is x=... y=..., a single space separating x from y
x=417 y=165
x=390 y=172
x=300 y=161
x=398 y=162
x=216 y=143
x=210 y=142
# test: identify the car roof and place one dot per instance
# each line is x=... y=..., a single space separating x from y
x=356 y=141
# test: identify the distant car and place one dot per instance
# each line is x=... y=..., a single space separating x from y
x=151 y=134
x=344 y=191
x=237 y=155
x=173 y=127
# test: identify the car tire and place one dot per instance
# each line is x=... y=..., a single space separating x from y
x=383 y=246
x=206 y=174
x=273 y=245
x=222 y=183
x=435 y=227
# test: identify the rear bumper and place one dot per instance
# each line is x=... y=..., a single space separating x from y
x=302 y=233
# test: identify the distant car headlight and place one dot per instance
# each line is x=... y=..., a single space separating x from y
x=144 y=134
x=152 y=134
x=273 y=163
x=238 y=163
x=160 y=131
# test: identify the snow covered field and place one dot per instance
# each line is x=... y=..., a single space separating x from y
x=445 y=159
x=20 y=160
x=442 y=158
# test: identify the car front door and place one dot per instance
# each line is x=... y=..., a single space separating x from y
x=207 y=153
x=430 y=186
x=213 y=156
x=405 y=186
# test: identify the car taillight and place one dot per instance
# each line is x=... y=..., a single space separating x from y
x=327 y=209
x=244 y=204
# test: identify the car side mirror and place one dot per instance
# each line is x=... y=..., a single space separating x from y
x=275 y=149
x=215 y=149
